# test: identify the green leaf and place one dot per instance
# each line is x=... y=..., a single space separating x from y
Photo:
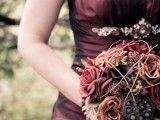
x=95 y=104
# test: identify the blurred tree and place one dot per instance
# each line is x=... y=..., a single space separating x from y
x=7 y=38
x=8 y=21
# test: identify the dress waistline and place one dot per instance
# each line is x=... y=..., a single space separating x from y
x=77 y=62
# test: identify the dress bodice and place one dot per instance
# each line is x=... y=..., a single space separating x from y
x=115 y=12
x=86 y=14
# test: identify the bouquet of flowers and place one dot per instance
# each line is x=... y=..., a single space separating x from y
x=122 y=83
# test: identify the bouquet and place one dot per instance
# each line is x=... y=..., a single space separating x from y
x=122 y=83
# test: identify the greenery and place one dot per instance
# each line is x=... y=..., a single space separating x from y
x=23 y=92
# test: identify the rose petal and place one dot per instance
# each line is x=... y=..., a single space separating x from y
x=105 y=84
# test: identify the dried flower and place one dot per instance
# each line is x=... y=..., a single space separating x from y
x=139 y=108
x=133 y=57
x=129 y=67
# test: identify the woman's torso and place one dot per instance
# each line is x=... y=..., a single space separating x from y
x=86 y=14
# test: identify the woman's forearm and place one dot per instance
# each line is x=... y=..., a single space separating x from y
x=45 y=62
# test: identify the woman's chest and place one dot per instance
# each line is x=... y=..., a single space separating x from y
x=115 y=12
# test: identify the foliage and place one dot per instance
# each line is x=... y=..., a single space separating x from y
x=7 y=50
x=7 y=40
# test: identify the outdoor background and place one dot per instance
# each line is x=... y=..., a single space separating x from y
x=25 y=95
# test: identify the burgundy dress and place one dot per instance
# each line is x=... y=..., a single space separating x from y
x=86 y=14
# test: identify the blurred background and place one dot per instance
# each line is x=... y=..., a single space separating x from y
x=25 y=95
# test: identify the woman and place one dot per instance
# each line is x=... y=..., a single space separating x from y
x=38 y=20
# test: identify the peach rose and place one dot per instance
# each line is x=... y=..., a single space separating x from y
x=112 y=56
x=110 y=109
x=149 y=69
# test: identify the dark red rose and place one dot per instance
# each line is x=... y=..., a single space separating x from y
x=95 y=89
x=133 y=46
x=154 y=94
x=121 y=45
x=138 y=47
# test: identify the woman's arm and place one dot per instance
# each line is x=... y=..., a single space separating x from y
x=38 y=20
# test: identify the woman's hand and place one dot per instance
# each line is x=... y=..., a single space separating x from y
x=38 y=20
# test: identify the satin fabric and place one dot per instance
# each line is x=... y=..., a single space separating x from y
x=86 y=14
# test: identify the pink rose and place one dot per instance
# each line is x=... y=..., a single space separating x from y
x=89 y=73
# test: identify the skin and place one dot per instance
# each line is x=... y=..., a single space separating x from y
x=38 y=19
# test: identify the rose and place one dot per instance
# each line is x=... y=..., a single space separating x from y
x=95 y=89
x=89 y=74
x=136 y=46
x=133 y=46
x=91 y=83
x=100 y=59
x=111 y=57
x=110 y=109
x=149 y=69
x=154 y=94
